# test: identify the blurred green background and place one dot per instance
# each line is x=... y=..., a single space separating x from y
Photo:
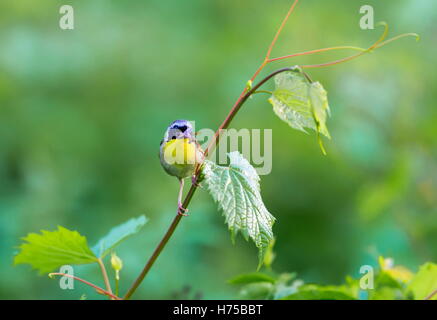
x=82 y=113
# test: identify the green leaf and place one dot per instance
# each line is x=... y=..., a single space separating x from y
x=257 y=291
x=117 y=235
x=284 y=288
x=269 y=255
x=424 y=282
x=51 y=249
x=320 y=107
x=236 y=189
x=314 y=292
x=385 y=293
x=301 y=103
x=251 y=278
x=263 y=286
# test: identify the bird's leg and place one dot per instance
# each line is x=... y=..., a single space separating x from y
x=194 y=181
x=181 y=210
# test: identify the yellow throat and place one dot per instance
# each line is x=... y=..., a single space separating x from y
x=180 y=152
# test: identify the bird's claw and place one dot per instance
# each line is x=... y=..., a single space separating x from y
x=182 y=211
x=194 y=182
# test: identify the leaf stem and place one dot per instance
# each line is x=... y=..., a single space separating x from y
x=262 y=91
x=105 y=275
x=101 y=290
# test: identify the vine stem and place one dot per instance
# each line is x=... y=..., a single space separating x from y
x=272 y=44
x=105 y=275
x=237 y=105
x=373 y=46
x=100 y=290
x=316 y=51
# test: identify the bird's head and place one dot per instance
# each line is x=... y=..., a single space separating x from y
x=179 y=129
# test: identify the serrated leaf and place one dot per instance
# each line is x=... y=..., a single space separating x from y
x=251 y=278
x=52 y=249
x=236 y=190
x=117 y=235
x=290 y=100
x=300 y=103
x=424 y=282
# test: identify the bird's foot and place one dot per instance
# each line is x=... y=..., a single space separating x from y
x=182 y=211
x=194 y=182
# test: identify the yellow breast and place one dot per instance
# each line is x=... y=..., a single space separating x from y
x=180 y=151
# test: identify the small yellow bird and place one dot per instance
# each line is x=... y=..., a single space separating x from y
x=179 y=154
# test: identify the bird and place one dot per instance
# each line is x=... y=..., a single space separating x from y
x=179 y=154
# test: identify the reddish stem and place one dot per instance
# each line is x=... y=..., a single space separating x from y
x=272 y=44
x=101 y=290
x=315 y=51
x=373 y=46
x=232 y=113
x=269 y=51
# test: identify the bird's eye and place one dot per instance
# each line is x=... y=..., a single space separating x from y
x=173 y=137
x=183 y=128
